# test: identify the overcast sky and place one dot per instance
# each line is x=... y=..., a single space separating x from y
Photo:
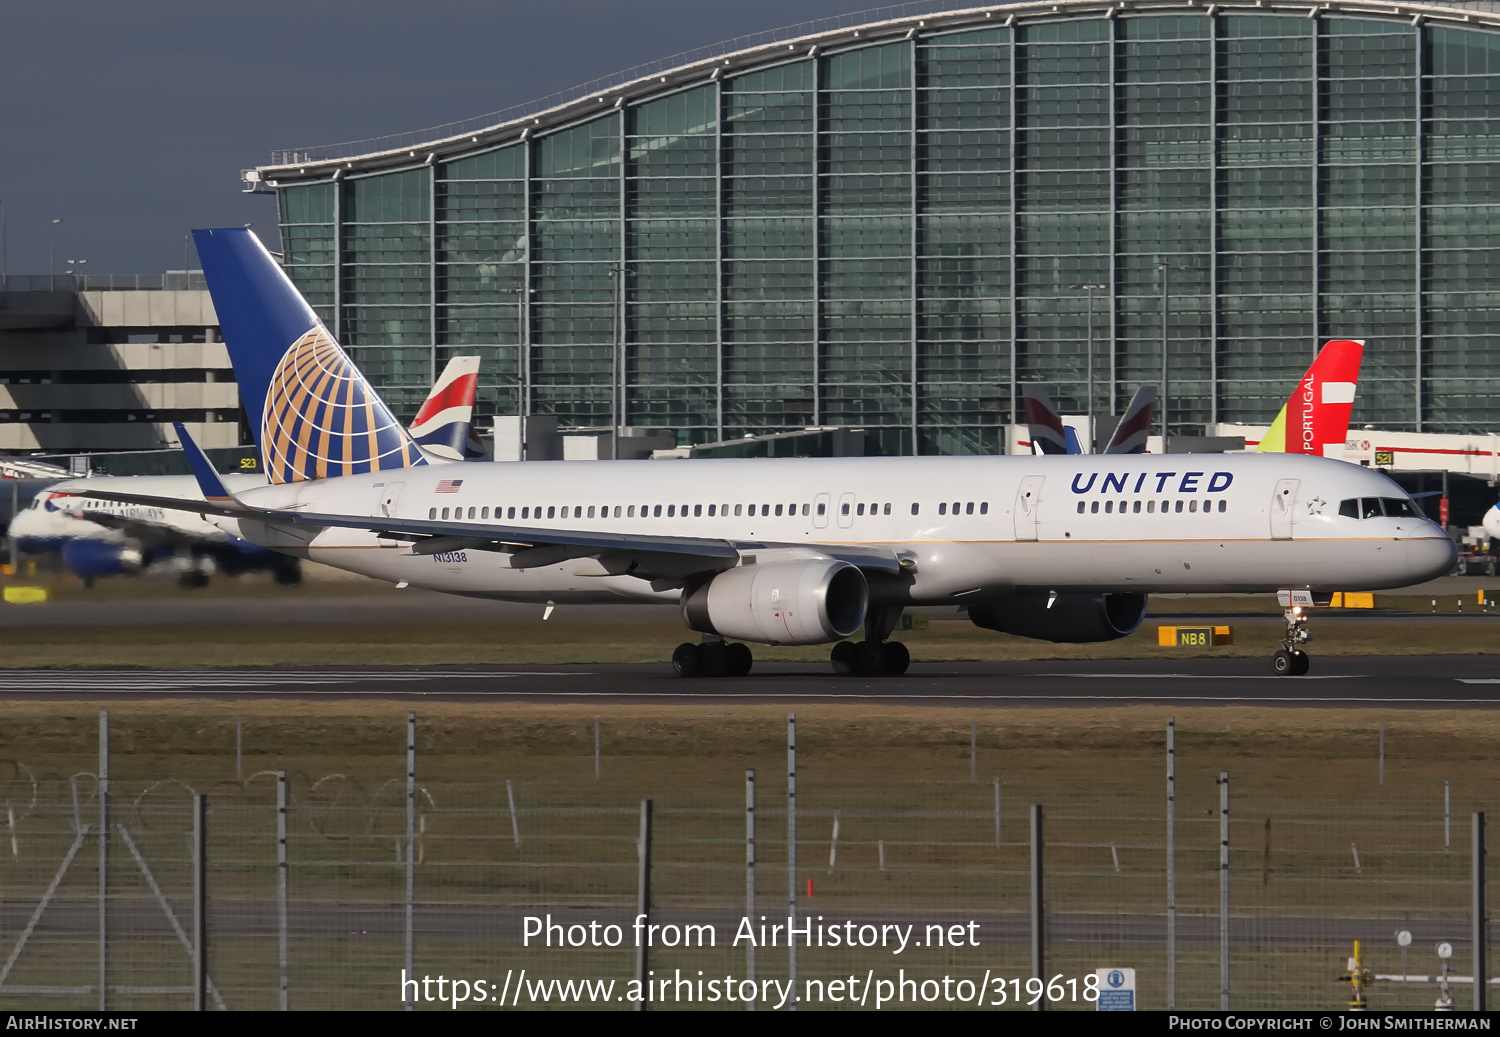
x=130 y=120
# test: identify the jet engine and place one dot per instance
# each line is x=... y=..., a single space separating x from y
x=780 y=603
x=90 y=559
x=1070 y=619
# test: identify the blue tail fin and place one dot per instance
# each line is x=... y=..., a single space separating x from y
x=314 y=415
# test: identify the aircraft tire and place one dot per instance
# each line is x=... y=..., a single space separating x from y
x=897 y=658
x=1283 y=664
x=872 y=658
x=740 y=659
x=686 y=660
x=845 y=658
x=1302 y=662
x=714 y=659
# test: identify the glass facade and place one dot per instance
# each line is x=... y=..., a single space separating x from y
x=895 y=234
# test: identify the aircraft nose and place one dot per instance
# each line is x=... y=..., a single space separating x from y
x=1430 y=555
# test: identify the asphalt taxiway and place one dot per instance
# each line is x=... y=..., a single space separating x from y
x=1406 y=682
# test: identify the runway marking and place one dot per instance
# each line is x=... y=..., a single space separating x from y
x=46 y=680
x=1205 y=676
x=1479 y=680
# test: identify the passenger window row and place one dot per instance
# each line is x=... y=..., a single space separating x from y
x=984 y=508
x=846 y=508
x=1134 y=507
x=1375 y=507
x=630 y=511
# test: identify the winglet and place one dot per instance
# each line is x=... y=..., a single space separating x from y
x=209 y=482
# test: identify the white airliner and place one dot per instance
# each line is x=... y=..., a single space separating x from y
x=783 y=551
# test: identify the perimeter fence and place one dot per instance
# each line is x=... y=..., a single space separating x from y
x=325 y=889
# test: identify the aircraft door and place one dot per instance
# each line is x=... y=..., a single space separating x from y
x=1281 y=509
x=390 y=497
x=846 y=510
x=1028 y=497
x=821 y=503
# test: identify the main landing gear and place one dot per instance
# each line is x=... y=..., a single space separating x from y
x=1291 y=660
x=712 y=659
x=874 y=656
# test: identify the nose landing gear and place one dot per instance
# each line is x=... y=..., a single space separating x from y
x=1291 y=660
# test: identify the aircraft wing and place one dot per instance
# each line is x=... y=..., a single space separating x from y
x=431 y=536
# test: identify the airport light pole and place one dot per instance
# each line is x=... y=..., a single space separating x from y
x=1166 y=386
x=52 y=256
x=1089 y=407
x=617 y=273
x=77 y=273
x=521 y=294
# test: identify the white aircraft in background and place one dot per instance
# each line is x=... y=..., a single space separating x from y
x=102 y=537
x=784 y=551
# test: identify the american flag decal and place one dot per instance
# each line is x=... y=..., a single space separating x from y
x=449 y=485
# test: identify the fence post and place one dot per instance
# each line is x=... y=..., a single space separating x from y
x=1038 y=916
x=643 y=907
x=200 y=903
x=1171 y=862
x=103 y=784
x=282 y=877
x=750 y=877
x=997 y=813
x=1481 y=930
x=411 y=847
x=1223 y=891
x=515 y=826
x=791 y=852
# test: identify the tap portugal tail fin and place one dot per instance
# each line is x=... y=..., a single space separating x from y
x=1315 y=418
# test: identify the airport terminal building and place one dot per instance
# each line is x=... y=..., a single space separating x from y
x=893 y=221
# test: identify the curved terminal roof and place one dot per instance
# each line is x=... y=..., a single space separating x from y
x=668 y=75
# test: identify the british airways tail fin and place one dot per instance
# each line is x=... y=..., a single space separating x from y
x=313 y=413
x=1043 y=422
x=1315 y=418
x=1129 y=436
x=444 y=426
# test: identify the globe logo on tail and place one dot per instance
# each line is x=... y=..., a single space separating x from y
x=322 y=419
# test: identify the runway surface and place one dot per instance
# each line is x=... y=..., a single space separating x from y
x=1409 y=682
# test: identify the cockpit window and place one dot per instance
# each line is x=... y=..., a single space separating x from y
x=1376 y=507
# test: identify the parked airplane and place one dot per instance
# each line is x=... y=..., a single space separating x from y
x=782 y=550
x=100 y=537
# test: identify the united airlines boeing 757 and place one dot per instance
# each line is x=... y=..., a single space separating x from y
x=782 y=551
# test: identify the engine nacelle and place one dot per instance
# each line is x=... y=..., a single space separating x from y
x=1072 y=619
x=90 y=559
x=781 y=603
